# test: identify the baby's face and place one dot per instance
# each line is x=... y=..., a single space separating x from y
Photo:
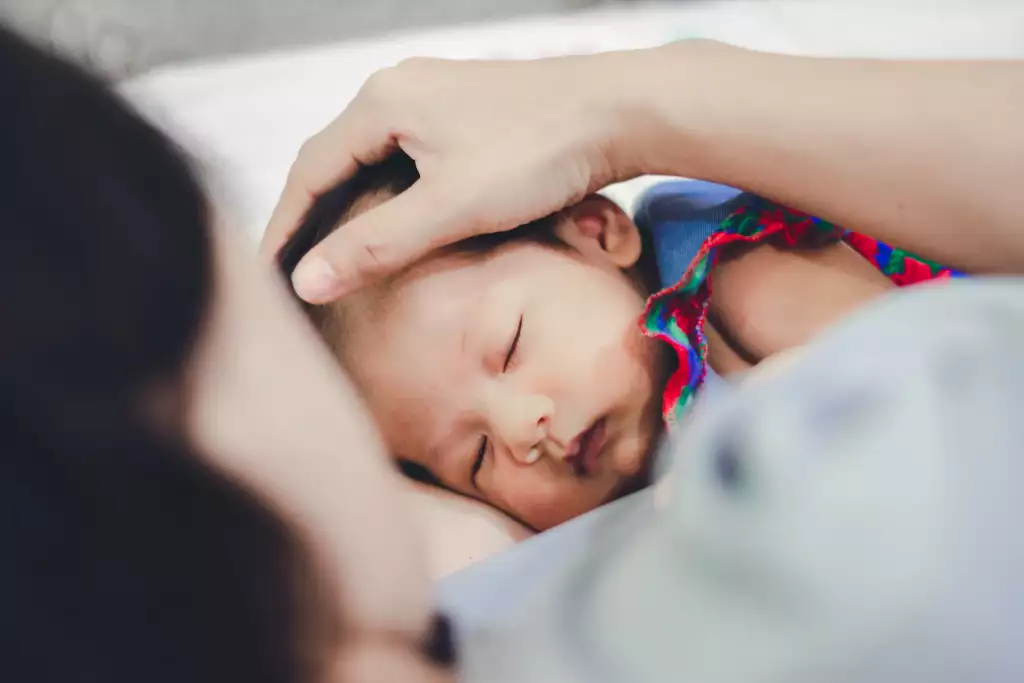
x=518 y=377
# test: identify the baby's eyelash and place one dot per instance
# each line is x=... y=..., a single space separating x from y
x=479 y=461
x=514 y=345
x=482 y=450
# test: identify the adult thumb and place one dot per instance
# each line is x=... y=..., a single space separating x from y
x=382 y=241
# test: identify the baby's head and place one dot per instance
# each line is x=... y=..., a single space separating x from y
x=510 y=367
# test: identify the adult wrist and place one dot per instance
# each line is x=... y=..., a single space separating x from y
x=667 y=107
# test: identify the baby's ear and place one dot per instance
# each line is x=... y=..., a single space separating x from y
x=599 y=229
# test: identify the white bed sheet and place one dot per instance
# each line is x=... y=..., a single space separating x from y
x=245 y=118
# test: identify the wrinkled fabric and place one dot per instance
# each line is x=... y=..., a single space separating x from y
x=676 y=315
x=854 y=519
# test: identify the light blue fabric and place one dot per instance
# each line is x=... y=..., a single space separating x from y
x=486 y=594
x=853 y=522
x=680 y=215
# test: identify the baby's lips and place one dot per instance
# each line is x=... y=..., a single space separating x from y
x=573 y=449
x=574 y=456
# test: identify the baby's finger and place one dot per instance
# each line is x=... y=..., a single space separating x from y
x=327 y=158
x=383 y=240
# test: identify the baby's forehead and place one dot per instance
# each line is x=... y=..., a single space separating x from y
x=391 y=287
x=404 y=338
x=440 y=278
x=440 y=284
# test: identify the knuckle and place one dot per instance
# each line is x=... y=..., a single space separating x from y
x=469 y=199
x=373 y=257
x=304 y=159
x=393 y=81
x=459 y=195
x=415 y=63
x=381 y=84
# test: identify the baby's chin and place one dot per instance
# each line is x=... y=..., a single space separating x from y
x=633 y=483
x=634 y=458
x=637 y=464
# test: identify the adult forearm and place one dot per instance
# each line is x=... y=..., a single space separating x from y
x=925 y=155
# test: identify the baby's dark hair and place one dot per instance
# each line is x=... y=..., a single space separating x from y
x=396 y=174
x=130 y=557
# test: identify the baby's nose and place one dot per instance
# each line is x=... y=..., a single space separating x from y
x=532 y=456
x=528 y=450
x=523 y=425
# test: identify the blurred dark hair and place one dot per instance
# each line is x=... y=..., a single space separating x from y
x=129 y=558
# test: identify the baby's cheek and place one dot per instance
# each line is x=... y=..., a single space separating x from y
x=543 y=502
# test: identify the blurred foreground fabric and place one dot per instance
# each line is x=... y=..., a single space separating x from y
x=853 y=522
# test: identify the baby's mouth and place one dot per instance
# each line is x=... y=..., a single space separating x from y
x=585 y=450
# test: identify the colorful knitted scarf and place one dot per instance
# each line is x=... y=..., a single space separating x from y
x=676 y=315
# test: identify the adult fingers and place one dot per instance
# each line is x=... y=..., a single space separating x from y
x=327 y=158
x=384 y=239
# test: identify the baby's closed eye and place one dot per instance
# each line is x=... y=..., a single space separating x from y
x=513 y=346
x=510 y=357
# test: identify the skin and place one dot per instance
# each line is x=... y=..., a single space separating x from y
x=269 y=405
x=917 y=170
x=773 y=300
x=822 y=135
x=428 y=349
x=459 y=531
x=433 y=354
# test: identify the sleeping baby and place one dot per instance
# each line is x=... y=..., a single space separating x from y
x=535 y=370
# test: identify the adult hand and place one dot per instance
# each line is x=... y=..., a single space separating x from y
x=497 y=144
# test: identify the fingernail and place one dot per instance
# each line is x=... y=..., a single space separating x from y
x=315 y=280
x=533 y=456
